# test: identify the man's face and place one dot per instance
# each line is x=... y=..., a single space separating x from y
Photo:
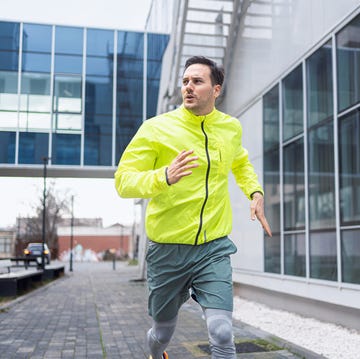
x=197 y=91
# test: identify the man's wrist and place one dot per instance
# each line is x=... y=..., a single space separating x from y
x=252 y=194
x=166 y=177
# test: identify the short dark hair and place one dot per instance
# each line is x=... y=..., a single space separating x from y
x=216 y=72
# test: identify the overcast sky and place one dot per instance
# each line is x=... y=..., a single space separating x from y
x=93 y=197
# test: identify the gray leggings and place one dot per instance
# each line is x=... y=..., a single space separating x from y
x=219 y=325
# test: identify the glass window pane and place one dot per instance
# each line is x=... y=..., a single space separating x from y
x=34 y=121
x=272 y=189
x=9 y=60
x=67 y=121
x=99 y=95
x=271 y=119
x=35 y=84
x=7 y=147
x=9 y=36
x=9 y=45
x=321 y=177
x=37 y=38
x=67 y=94
x=349 y=162
x=36 y=62
x=320 y=88
x=98 y=140
x=293 y=104
x=33 y=147
x=156 y=46
x=323 y=258
x=130 y=74
x=66 y=149
x=295 y=254
x=350 y=254
x=8 y=91
x=129 y=88
x=294 y=195
x=348 y=64
x=99 y=66
x=8 y=120
x=68 y=40
x=100 y=42
x=68 y=64
x=272 y=254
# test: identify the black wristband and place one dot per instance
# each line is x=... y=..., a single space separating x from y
x=166 y=176
x=251 y=196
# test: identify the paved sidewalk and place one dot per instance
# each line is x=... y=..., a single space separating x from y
x=98 y=312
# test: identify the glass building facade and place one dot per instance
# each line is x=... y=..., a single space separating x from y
x=75 y=95
x=311 y=141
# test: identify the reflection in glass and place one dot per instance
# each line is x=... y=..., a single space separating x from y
x=348 y=64
x=66 y=149
x=349 y=162
x=294 y=195
x=68 y=40
x=272 y=254
x=295 y=254
x=37 y=38
x=7 y=147
x=68 y=50
x=67 y=94
x=9 y=45
x=350 y=254
x=129 y=81
x=321 y=177
x=34 y=121
x=323 y=256
x=67 y=122
x=99 y=97
x=36 y=48
x=272 y=189
x=156 y=46
x=33 y=147
x=320 y=89
x=271 y=119
x=293 y=104
x=98 y=93
x=98 y=140
x=8 y=99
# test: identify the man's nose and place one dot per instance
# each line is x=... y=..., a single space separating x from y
x=189 y=86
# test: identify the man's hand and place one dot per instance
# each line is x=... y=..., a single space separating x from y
x=181 y=166
x=257 y=211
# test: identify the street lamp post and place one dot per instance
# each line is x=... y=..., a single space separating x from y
x=45 y=160
x=72 y=233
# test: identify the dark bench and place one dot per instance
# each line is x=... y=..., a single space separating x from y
x=54 y=271
x=13 y=283
x=25 y=261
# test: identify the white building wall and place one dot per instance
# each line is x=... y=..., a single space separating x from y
x=247 y=234
x=262 y=55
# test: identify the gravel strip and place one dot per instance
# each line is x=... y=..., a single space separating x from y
x=327 y=339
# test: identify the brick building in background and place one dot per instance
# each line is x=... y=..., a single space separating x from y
x=90 y=237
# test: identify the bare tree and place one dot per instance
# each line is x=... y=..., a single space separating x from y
x=30 y=229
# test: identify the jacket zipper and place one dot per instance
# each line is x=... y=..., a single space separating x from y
x=206 y=183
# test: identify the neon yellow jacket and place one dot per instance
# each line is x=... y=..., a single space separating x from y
x=196 y=209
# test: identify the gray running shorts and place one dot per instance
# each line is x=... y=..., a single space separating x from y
x=176 y=270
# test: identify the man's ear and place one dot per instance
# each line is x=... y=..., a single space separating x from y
x=217 y=90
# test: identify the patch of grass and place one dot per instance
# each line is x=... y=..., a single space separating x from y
x=133 y=262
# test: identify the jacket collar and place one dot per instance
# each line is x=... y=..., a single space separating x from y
x=189 y=116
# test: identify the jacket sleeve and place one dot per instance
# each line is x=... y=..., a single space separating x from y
x=244 y=172
x=136 y=175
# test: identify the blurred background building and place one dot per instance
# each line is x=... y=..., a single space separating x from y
x=78 y=94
